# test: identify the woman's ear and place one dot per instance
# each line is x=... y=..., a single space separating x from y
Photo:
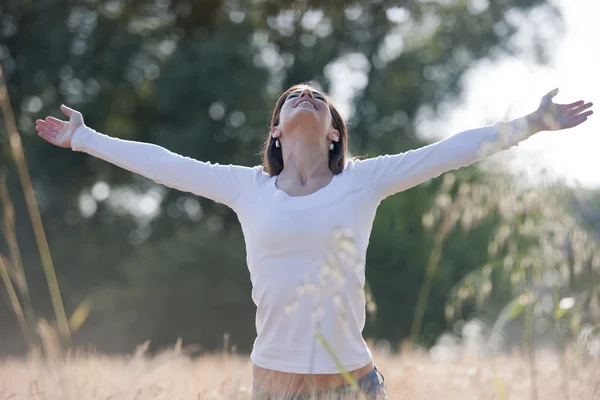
x=334 y=135
x=275 y=132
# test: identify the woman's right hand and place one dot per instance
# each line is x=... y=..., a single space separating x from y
x=60 y=132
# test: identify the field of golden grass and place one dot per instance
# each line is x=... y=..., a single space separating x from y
x=172 y=375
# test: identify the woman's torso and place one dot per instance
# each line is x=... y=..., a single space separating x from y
x=306 y=258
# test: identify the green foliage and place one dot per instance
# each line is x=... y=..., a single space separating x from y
x=200 y=78
x=538 y=250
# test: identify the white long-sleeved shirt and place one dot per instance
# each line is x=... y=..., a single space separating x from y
x=306 y=254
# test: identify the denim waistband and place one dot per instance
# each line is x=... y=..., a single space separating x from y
x=373 y=379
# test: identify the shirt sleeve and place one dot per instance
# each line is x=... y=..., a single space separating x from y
x=389 y=174
x=221 y=183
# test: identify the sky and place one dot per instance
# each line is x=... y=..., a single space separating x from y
x=512 y=87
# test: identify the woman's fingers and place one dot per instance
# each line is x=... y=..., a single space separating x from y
x=576 y=121
x=572 y=105
x=552 y=93
x=50 y=127
x=579 y=109
x=585 y=114
x=46 y=135
x=55 y=121
x=66 y=110
x=44 y=130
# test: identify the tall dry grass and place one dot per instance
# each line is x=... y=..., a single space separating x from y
x=27 y=319
x=173 y=375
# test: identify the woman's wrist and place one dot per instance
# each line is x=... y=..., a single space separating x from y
x=535 y=122
x=77 y=139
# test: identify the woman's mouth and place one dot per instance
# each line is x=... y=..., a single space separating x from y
x=306 y=102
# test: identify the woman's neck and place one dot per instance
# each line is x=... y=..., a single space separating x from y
x=304 y=162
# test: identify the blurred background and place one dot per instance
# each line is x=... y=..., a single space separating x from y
x=509 y=244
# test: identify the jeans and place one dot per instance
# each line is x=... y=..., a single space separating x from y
x=371 y=385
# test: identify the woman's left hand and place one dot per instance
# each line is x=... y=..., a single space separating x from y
x=552 y=117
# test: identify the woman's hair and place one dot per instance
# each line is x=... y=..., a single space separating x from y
x=272 y=156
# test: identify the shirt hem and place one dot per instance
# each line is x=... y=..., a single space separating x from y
x=315 y=369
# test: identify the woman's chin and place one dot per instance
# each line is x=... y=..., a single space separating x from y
x=304 y=120
x=306 y=115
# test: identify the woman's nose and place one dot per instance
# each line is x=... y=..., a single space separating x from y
x=306 y=92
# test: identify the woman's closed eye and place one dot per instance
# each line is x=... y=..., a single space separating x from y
x=316 y=95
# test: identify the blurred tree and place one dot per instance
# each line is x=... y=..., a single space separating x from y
x=200 y=78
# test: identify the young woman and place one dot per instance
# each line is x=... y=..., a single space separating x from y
x=306 y=215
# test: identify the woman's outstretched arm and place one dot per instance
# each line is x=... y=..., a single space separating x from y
x=389 y=174
x=221 y=183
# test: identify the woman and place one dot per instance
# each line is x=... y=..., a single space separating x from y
x=306 y=215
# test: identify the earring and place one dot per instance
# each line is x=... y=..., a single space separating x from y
x=276 y=142
x=331 y=146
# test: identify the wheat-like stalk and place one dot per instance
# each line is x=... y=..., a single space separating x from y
x=34 y=213
x=13 y=270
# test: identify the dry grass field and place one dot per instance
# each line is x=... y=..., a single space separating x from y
x=172 y=375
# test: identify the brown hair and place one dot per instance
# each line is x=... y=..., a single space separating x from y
x=272 y=156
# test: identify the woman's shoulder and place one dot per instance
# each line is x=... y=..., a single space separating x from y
x=354 y=162
x=260 y=174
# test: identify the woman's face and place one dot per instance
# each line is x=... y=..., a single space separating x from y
x=306 y=109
